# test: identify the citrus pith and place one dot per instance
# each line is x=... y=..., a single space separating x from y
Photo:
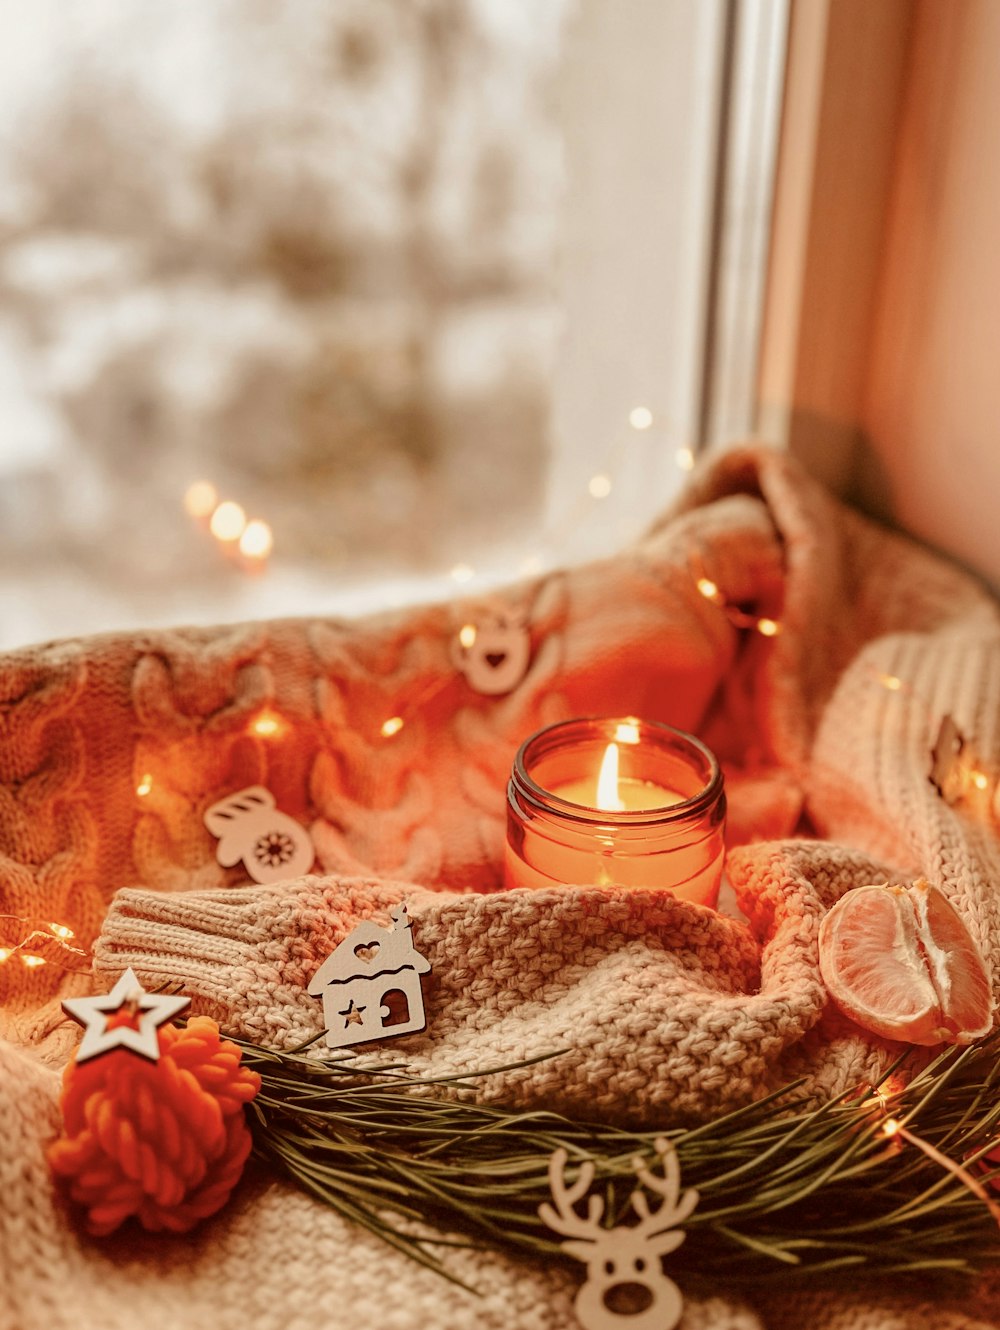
x=901 y=962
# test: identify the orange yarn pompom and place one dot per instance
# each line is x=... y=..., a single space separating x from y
x=164 y=1141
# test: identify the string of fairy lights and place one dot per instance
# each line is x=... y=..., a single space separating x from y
x=43 y=935
x=251 y=538
x=896 y=1131
x=249 y=541
x=48 y=936
x=43 y=938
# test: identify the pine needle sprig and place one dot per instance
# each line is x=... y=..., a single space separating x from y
x=786 y=1186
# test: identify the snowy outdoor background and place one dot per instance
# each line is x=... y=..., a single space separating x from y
x=304 y=250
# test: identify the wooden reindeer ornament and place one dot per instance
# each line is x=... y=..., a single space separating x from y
x=623 y=1263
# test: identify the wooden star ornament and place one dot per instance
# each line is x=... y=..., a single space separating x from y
x=152 y=1009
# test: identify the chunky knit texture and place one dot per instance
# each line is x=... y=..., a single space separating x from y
x=668 y=1011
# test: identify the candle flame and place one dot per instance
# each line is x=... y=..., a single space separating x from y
x=607 y=781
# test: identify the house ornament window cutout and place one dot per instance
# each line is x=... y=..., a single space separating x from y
x=370 y=985
x=625 y=1285
x=272 y=845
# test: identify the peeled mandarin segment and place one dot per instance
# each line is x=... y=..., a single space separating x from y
x=900 y=962
x=955 y=965
x=871 y=965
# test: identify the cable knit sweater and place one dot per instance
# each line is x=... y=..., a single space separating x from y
x=672 y=1012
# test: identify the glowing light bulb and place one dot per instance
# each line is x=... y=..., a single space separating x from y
x=462 y=573
x=891 y=1127
x=228 y=521
x=708 y=588
x=684 y=458
x=627 y=732
x=256 y=542
x=267 y=726
x=144 y=786
x=607 y=781
x=61 y=931
x=599 y=486
x=768 y=627
x=200 y=498
x=5 y=954
x=980 y=780
x=640 y=417
x=891 y=682
x=392 y=726
x=467 y=635
x=32 y=962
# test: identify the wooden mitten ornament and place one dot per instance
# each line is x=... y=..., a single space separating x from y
x=370 y=985
x=272 y=845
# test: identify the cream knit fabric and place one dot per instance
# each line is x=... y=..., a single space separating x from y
x=666 y=1011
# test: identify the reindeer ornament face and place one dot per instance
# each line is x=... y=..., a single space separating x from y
x=493 y=653
x=625 y=1285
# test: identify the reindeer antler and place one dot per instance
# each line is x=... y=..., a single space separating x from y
x=675 y=1208
x=567 y=1221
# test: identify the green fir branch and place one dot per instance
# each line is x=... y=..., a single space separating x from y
x=786 y=1187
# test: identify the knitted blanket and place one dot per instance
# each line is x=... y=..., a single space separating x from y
x=111 y=749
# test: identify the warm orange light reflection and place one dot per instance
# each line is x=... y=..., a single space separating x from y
x=256 y=542
x=228 y=521
x=392 y=726
x=267 y=726
x=144 y=786
x=200 y=498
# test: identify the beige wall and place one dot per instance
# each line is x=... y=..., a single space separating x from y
x=931 y=407
x=846 y=72
x=881 y=363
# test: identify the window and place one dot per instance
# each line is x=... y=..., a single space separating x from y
x=435 y=293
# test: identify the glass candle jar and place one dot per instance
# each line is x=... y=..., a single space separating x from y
x=631 y=802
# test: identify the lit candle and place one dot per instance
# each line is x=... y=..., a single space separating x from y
x=626 y=802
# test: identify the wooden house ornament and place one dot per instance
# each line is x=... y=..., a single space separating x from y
x=370 y=985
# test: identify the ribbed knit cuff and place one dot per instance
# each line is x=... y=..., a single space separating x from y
x=245 y=956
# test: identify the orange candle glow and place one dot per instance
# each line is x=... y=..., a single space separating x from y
x=626 y=802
